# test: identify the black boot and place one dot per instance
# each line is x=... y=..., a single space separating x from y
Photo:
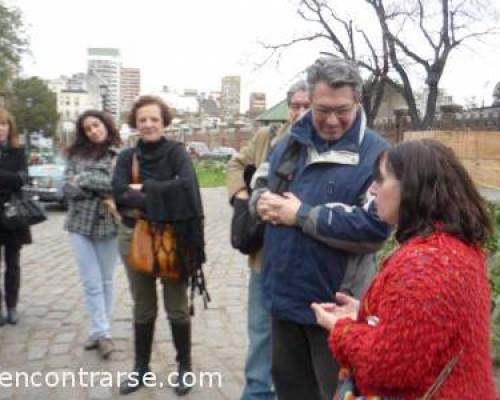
x=12 y=316
x=143 y=341
x=2 y=316
x=181 y=333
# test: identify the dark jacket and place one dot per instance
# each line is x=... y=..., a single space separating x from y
x=170 y=195
x=166 y=172
x=13 y=174
x=299 y=265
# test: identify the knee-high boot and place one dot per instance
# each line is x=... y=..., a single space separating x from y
x=143 y=342
x=2 y=315
x=181 y=333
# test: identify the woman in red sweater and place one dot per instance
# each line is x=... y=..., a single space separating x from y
x=430 y=302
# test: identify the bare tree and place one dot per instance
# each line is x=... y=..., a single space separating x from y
x=414 y=36
x=440 y=27
x=345 y=40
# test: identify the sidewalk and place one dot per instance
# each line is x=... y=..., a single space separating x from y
x=52 y=327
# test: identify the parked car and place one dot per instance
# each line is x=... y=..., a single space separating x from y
x=197 y=149
x=221 y=153
x=47 y=181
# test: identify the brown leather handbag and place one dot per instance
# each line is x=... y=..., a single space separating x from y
x=152 y=250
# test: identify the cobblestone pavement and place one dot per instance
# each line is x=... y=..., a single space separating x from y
x=53 y=323
x=52 y=327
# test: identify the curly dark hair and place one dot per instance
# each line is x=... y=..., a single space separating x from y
x=436 y=191
x=166 y=113
x=82 y=146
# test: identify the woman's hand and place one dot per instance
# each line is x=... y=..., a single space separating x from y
x=327 y=314
x=135 y=186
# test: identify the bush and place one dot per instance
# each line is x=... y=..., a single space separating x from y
x=211 y=173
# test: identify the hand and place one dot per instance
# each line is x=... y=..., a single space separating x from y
x=74 y=180
x=328 y=314
x=135 y=186
x=267 y=206
x=279 y=210
x=289 y=206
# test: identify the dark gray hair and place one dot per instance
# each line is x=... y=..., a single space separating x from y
x=335 y=72
x=300 y=86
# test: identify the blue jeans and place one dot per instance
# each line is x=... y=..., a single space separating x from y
x=258 y=380
x=96 y=261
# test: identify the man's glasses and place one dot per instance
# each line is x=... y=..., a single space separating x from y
x=340 y=112
x=299 y=106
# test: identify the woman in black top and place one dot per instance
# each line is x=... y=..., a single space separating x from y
x=168 y=193
x=13 y=174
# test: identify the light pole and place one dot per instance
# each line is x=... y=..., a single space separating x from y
x=27 y=135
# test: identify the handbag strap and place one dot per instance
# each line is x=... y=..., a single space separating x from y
x=442 y=377
x=136 y=177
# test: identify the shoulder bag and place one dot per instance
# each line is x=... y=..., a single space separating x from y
x=21 y=212
x=152 y=250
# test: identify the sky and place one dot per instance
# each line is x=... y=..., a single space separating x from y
x=193 y=43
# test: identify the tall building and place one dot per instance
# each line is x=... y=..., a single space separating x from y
x=230 y=95
x=130 y=88
x=257 y=103
x=106 y=64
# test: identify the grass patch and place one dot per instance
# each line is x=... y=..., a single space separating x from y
x=210 y=173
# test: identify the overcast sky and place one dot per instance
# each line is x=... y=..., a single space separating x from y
x=193 y=43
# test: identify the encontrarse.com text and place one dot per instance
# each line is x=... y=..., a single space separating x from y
x=88 y=379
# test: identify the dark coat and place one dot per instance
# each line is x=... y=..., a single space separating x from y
x=297 y=268
x=170 y=193
x=13 y=174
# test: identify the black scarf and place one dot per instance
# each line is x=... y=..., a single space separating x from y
x=179 y=204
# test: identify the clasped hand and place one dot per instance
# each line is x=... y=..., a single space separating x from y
x=278 y=209
x=328 y=314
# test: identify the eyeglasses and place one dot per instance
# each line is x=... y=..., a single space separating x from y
x=299 y=106
x=340 y=112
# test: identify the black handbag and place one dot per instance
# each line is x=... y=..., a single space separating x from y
x=247 y=234
x=21 y=212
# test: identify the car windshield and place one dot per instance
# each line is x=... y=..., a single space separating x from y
x=46 y=170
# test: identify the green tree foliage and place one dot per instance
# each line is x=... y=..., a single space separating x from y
x=13 y=43
x=34 y=106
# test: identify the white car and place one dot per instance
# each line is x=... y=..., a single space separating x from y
x=222 y=153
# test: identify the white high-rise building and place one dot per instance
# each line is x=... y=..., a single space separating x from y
x=230 y=95
x=106 y=64
x=130 y=87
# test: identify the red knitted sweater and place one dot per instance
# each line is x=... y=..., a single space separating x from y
x=433 y=299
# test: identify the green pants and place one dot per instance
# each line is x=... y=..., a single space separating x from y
x=143 y=290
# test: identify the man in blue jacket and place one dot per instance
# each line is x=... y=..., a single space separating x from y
x=316 y=221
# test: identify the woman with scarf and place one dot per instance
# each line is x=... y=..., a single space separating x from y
x=168 y=193
x=90 y=221
x=422 y=329
x=13 y=174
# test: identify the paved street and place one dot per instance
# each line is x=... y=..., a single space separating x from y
x=52 y=325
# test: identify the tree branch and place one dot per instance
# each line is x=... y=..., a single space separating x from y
x=421 y=15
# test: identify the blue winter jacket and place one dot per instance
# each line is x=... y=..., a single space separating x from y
x=303 y=264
